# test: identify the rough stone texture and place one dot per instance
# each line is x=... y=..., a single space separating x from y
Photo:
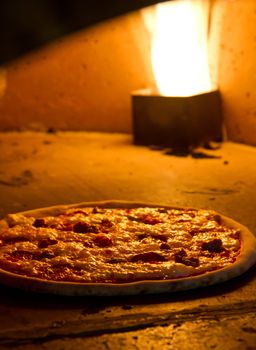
x=237 y=334
x=233 y=57
x=82 y=82
x=39 y=169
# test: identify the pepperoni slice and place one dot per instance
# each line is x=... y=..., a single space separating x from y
x=39 y=223
x=83 y=227
x=102 y=241
x=150 y=220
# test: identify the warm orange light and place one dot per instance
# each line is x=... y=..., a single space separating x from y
x=2 y=81
x=179 y=47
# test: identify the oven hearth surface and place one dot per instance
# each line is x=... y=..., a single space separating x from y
x=44 y=169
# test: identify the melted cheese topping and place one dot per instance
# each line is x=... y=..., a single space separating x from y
x=117 y=245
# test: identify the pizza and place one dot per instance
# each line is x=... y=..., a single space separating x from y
x=121 y=248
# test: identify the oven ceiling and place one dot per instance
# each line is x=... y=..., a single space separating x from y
x=28 y=24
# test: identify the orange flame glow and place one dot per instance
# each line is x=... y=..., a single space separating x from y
x=179 y=46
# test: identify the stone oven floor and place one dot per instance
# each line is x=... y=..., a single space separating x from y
x=42 y=169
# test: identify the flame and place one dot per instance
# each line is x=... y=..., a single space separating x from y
x=179 y=47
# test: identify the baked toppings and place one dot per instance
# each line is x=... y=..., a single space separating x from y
x=39 y=222
x=150 y=220
x=148 y=257
x=116 y=245
x=181 y=257
x=45 y=242
x=214 y=246
x=106 y=223
x=102 y=241
x=84 y=227
x=164 y=246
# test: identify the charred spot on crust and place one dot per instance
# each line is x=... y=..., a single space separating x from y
x=214 y=246
x=150 y=257
x=102 y=241
x=39 y=223
x=182 y=258
x=45 y=242
x=165 y=246
x=83 y=227
x=141 y=236
x=190 y=261
x=178 y=256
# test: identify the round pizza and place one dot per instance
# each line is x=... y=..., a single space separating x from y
x=121 y=248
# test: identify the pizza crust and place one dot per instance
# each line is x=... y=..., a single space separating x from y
x=244 y=261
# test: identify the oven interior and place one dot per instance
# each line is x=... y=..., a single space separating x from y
x=67 y=136
x=67 y=115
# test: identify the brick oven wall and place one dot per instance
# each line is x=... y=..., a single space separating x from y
x=233 y=42
x=83 y=82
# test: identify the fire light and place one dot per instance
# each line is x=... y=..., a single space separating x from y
x=179 y=46
x=185 y=111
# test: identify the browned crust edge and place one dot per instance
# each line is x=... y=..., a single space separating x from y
x=244 y=261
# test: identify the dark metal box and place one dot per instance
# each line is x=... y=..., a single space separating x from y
x=179 y=122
